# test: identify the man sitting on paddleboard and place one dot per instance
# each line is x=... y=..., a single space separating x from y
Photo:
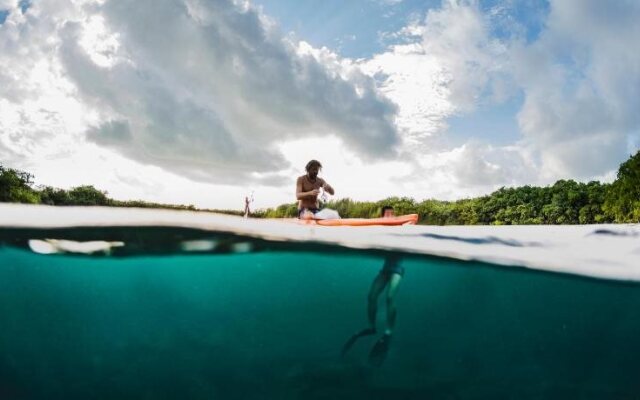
x=307 y=189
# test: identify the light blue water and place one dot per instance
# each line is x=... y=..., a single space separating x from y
x=156 y=323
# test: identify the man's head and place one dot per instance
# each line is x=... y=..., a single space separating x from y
x=313 y=167
x=387 y=212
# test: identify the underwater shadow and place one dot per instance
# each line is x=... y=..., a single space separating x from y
x=482 y=240
x=610 y=232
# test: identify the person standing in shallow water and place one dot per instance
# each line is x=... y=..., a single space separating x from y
x=308 y=188
x=389 y=277
x=247 y=210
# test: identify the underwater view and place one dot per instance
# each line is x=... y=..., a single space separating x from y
x=182 y=313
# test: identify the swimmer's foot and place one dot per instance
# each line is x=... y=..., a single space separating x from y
x=379 y=351
x=352 y=340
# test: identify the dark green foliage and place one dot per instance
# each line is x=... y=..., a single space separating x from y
x=54 y=197
x=85 y=195
x=144 y=204
x=622 y=200
x=282 y=211
x=15 y=186
x=88 y=196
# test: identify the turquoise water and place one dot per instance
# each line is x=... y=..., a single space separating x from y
x=154 y=322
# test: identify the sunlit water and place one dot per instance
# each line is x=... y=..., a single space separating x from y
x=152 y=321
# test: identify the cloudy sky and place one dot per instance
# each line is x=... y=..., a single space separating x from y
x=204 y=101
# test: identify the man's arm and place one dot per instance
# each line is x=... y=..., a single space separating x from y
x=328 y=187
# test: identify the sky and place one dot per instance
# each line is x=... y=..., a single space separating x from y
x=206 y=101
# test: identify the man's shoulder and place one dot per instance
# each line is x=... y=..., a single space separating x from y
x=300 y=178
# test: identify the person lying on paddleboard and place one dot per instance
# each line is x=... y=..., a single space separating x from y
x=389 y=277
x=308 y=188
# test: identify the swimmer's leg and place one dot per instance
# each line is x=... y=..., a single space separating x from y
x=381 y=348
x=377 y=286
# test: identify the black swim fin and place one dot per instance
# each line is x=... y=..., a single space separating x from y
x=352 y=340
x=379 y=350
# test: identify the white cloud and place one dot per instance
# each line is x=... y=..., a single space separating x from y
x=206 y=90
x=581 y=81
x=209 y=89
x=417 y=84
x=40 y=118
x=8 y=4
x=448 y=64
x=458 y=36
x=479 y=165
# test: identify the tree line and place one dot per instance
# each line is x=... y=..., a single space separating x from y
x=565 y=202
x=17 y=187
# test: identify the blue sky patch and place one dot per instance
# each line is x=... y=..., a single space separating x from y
x=3 y=16
x=489 y=122
x=352 y=29
x=24 y=5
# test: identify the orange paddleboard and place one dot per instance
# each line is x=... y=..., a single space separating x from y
x=410 y=219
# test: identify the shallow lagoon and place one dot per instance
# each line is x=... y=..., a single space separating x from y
x=153 y=321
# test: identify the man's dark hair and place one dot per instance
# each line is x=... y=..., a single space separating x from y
x=313 y=163
x=385 y=208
